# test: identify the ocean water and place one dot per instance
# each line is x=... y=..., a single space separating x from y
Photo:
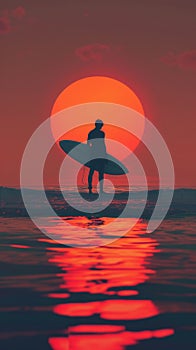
x=136 y=293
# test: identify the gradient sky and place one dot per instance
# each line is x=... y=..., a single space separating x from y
x=148 y=45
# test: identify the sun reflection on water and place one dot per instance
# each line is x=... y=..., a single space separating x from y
x=99 y=286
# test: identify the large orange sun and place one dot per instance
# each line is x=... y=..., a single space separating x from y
x=98 y=89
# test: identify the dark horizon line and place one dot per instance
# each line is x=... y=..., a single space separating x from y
x=49 y=188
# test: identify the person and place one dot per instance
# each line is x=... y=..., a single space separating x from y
x=96 y=142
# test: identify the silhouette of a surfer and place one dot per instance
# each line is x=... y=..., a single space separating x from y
x=96 y=142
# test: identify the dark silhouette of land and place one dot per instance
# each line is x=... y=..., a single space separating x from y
x=11 y=203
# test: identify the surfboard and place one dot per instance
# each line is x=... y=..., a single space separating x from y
x=81 y=154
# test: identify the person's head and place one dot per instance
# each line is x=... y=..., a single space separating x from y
x=98 y=124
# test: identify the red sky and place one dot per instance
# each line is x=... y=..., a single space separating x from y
x=148 y=45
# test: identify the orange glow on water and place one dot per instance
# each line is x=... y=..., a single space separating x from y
x=59 y=295
x=110 y=309
x=111 y=272
x=103 y=338
x=96 y=329
x=125 y=293
x=59 y=343
x=125 y=269
x=20 y=246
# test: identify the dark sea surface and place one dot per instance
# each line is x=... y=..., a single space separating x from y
x=136 y=293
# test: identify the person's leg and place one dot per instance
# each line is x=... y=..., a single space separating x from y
x=101 y=177
x=102 y=163
x=90 y=178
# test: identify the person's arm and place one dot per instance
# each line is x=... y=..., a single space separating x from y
x=104 y=141
x=89 y=142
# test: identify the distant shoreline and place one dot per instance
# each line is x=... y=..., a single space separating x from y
x=11 y=203
x=83 y=188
